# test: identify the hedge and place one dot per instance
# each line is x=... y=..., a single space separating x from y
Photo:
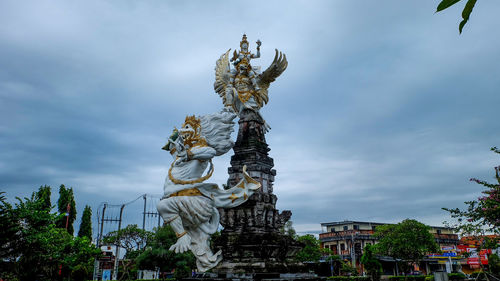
x=456 y=276
x=349 y=278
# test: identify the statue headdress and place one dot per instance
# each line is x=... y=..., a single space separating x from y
x=244 y=40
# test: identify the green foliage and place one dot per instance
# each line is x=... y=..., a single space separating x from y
x=131 y=237
x=348 y=278
x=478 y=276
x=456 y=276
x=408 y=241
x=494 y=264
x=43 y=196
x=157 y=253
x=408 y=278
x=311 y=251
x=371 y=263
x=79 y=257
x=469 y=6
x=66 y=197
x=482 y=215
x=287 y=229
x=37 y=249
x=348 y=269
x=9 y=234
x=429 y=278
x=86 y=223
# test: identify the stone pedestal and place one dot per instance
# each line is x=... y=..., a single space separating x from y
x=251 y=241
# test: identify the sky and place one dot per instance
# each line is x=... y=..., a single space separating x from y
x=384 y=113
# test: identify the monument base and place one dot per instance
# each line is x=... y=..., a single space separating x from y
x=257 y=253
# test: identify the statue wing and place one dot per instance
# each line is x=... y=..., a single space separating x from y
x=277 y=67
x=222 y=75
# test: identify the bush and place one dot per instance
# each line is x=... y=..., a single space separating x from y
x=349 y=278
x=456 y=276
x=338 y=278
x=475 y=276
x=409 y=278
x=429 y=278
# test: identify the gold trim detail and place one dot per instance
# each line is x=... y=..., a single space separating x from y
x=233 y=197
x=244 y=96
x=187 y=192
x=245 y=196
x=202 y=179
x=241 y=185
x=180 y=235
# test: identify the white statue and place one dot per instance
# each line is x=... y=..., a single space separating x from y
x=190 y=204
x=243 y=87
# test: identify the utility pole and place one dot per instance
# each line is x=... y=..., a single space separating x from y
x=68 y=209
x=99 y=237
x=159 y=219
x=117 y=252
x=144 y=213
x=353 y=253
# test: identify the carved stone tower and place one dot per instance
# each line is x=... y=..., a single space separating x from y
x=251 y=240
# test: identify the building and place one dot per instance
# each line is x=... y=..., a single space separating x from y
x=348 y=239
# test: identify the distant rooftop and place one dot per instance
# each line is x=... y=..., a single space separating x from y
x=368 y=222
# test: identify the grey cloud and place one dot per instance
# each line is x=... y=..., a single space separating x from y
x=383 y=113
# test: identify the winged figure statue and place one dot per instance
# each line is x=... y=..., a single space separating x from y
x=243 y=86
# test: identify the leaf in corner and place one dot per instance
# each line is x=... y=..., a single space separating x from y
x=466 y=14
x=445 y=4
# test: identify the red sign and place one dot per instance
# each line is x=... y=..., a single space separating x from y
x=473 y=258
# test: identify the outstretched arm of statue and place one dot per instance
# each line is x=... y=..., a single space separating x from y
x=258 y=50
x=201 y=153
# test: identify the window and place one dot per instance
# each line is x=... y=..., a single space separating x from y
x=345 y=227
x=355 y=227
x=342 y=247
x=332 y=229
x=438 y=231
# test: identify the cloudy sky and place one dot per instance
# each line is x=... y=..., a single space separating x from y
x=384 y=112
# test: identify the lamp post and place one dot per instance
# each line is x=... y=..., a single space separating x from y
x=68 y=208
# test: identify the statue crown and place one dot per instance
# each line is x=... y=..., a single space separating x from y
x=193 y=121
x=244 y=40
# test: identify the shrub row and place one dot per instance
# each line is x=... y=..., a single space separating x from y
x=451 y=277
x=408 y=278
x=349 y=278
x=165 y=279
x=456 y=276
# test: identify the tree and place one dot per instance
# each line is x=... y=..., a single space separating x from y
x=43 y=195
x=86 y=223
x=36 y=249
x=66 y=198
x=482 y=215
x=40 y=243
x=444 y=4
x=408 y=242
x=132 y=239
x=78 y=259
x=9 y=234
x=311 y=250
x=158 y=255
x=287 y=229
x=371 y=263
